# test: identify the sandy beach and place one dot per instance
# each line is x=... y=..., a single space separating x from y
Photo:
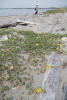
x=32 y=64
x=41 y=23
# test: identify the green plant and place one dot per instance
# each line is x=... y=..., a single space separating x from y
x=4 y=88
x=27 y=85
x=60 y=10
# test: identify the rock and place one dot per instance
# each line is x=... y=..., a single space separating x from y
x=63 y=48
x=21 y=37
x=4 y=38
x=51 y=85
x=11 y=98
x=64 y=39
x=65 y=91
x=64 y=61
x=51 y=78
x=64 y=45
x=53 y=59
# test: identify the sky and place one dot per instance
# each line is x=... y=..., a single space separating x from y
x=32 y=3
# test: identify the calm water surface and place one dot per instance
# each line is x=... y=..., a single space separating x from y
x=7 y=12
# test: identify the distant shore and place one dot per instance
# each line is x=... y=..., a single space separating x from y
x=31 y=8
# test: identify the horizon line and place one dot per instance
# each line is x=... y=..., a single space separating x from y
x=29 y=8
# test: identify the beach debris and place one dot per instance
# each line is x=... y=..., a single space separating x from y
x=19 y=22
x=11 y=24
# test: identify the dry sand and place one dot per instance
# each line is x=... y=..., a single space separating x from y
x=53 y=23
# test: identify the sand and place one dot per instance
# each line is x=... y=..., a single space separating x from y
x=53 y=23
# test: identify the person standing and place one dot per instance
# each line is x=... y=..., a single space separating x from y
x=36 y=9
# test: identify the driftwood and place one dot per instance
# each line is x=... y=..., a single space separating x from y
x=14 y=24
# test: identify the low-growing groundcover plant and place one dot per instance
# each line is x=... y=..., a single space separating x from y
x=33 y=44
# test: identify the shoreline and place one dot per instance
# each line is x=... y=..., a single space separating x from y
x=21 y=11
x=42 y=23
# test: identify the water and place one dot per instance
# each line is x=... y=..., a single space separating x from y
x=7 y=12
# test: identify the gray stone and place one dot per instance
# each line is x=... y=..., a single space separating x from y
x=63 y=48
x=51 y=85
x=53 y=60
x=65 y=92
x=4 y=38
x=11 y=98
x=51 y=78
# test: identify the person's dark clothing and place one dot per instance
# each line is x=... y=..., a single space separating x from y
x=36 y=10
